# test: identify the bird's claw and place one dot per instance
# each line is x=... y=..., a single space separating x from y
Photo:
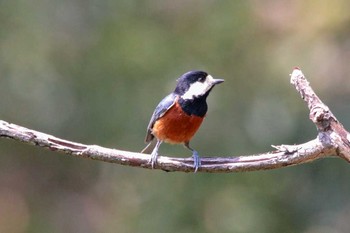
x=153 y=159
x=196 y=161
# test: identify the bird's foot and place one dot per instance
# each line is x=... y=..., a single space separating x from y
x=153 y=159
x=196 y=161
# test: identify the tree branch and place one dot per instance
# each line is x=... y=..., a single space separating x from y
x=332 y=140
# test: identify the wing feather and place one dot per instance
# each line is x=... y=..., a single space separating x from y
x=160 y=110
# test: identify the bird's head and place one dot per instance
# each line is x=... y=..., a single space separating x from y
x=195 y=84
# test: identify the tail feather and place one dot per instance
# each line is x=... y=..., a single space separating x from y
x=149 y=148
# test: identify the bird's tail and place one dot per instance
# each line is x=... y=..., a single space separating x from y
x=149 y=148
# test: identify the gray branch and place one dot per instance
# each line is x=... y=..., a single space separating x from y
x=332 y=140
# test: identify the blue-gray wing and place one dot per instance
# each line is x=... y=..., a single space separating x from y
x=160 y=110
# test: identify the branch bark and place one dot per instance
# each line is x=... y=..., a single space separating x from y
x=332 y=140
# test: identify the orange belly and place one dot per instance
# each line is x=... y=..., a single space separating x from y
x=175 y=126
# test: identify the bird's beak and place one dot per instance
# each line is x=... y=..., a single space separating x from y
x=217 y=81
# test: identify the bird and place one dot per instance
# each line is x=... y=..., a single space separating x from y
x=179 y=115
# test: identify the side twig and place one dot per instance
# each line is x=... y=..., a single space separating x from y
x=332 y=140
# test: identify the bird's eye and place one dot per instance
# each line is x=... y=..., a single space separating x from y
x=201 y=79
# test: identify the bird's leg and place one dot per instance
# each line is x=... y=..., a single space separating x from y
x=154 y=155
x=195 y=156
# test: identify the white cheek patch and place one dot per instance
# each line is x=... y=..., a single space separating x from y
x=198 y=88
x=209 y=79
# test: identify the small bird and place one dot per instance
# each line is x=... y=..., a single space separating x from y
x=179 y=115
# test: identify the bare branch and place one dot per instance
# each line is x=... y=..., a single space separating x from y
x=331 y=132
x=332 y=140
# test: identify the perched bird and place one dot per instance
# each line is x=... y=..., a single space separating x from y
x=178 y=116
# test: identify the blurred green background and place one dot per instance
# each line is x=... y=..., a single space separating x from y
x=93 y=71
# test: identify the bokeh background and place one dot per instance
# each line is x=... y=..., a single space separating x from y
x=93 y=71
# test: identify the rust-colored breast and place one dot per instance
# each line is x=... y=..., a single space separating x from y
x=175 y=126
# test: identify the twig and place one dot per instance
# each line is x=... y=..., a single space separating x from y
x=332 y=140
